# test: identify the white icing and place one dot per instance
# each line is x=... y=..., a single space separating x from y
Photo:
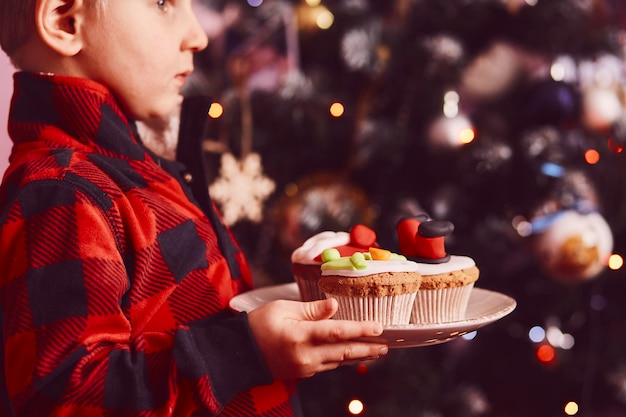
x=316 y=244
x=456 y=263
x=375 y=267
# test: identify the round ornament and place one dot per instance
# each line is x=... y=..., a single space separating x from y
x=552 y=102
x=316 y=204
x=493 y=72
x=570 y=246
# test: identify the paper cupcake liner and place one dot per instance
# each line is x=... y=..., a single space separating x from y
x=441 y=305
x=390 y=310
x=309 y=290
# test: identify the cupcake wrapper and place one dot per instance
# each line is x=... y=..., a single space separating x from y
x=309 y=290
x=390 y=310
x=441 y=305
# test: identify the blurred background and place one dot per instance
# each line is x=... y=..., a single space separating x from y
x=506 y=117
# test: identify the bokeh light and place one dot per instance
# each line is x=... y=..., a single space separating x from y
x=545 y=354
x=592 y=156
x=571 y=408
x=337 y=109
x=216 y=110
x=361 y=369
x=614 y=146
x=325 y=19
x=355 y=407
x=466 y=136
x=615 y=262
x=557 y=71
x=537 y=334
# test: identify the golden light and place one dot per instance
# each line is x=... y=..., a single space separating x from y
x=216 y=110
x=466 y=136
x=615 y=262
x=451 y=104
x=557 y=71
x=337 y=109
x=592 y=156
x=325 y=19
x=571 y=408
x=545 y=353
x=313 y=3
x=355 y=407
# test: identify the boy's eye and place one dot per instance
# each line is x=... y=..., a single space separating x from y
x=162 y=4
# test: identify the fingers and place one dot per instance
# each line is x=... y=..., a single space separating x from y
x=336 y=331
x=319 y=310
x=349 y=353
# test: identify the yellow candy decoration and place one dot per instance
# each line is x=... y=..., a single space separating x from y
x=380 y=254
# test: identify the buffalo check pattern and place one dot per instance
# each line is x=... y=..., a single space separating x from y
x=115 y=275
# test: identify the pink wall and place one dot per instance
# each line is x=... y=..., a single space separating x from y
x=6 y=88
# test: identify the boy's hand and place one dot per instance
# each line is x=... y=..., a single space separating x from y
x=298 y=339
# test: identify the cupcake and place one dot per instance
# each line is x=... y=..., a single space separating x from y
x=307 y=259
x=375 y=285
x=447 y=280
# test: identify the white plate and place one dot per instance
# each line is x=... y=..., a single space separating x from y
x=484 y=308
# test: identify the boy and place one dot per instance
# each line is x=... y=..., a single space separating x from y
x=115 y=269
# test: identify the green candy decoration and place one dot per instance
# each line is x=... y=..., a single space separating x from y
x=358 y=260
x=330 y=254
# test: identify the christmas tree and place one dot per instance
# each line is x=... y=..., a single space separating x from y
x=505 y=117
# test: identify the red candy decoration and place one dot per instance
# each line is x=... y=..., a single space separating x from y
x=407 y=232
x=362 y=236
x=430 y=247
x=429 y=244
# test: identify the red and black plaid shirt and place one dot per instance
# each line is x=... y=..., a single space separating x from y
x=115 y=276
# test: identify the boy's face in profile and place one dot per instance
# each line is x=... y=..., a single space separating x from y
x=143 y=51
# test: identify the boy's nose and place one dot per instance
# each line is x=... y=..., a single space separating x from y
x=196 y=38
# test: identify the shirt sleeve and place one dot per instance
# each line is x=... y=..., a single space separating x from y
x=71 y=345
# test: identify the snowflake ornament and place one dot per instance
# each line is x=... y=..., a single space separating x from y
x=241 y=188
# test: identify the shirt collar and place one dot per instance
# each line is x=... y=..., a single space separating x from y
x=68 y=109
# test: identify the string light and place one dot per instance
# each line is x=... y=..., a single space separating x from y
x=592 y=156
x=466 y=136
x=615 y=262
x=571 y=408
x=315 y=15
x=325 y=19
x=451 y=104
x=216 y=110
x=337 y=109
x=537 y=334
x=361 y=369
x=355 y=407
x=545 y=354
x=557 y=71
x=255 y=3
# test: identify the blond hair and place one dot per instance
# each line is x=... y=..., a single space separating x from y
x=17 y=22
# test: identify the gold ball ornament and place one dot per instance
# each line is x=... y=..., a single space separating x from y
x=574 y=247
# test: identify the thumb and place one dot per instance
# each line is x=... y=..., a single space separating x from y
x=320 y=309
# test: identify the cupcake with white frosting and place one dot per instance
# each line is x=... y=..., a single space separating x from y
x=306 y=260
x=374 y=285
x=447 y=280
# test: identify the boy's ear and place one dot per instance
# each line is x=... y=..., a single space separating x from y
x=59 y=23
